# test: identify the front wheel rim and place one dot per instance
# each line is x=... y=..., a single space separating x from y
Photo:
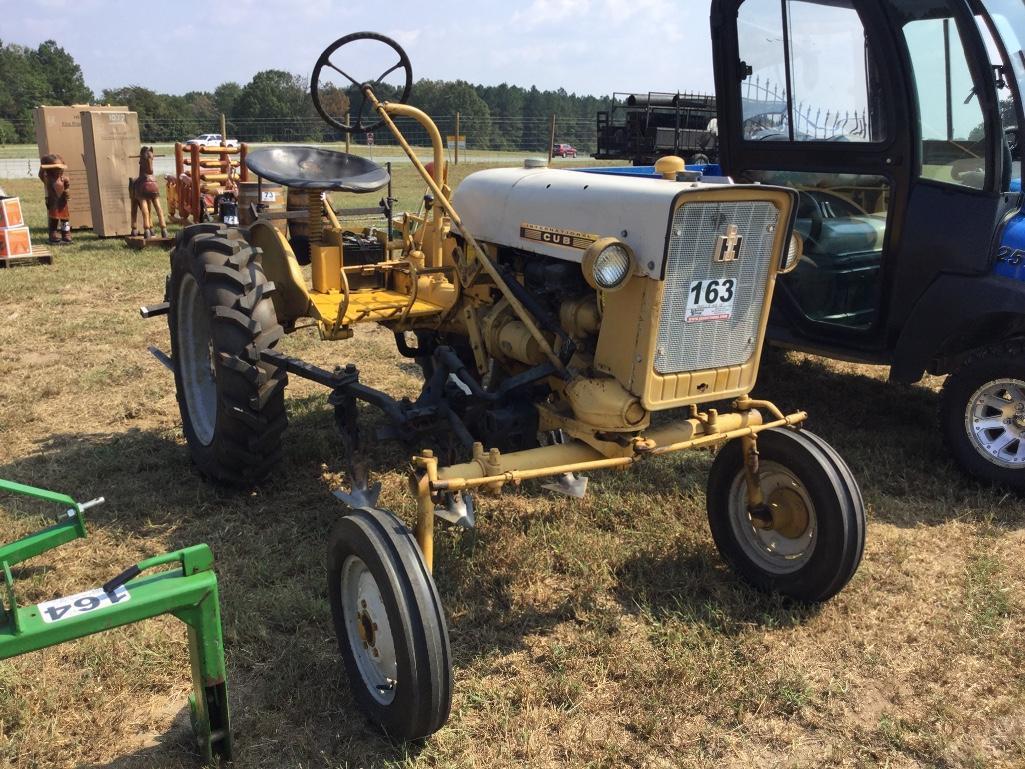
x=368 y=631
x=788 y=546
x=195 y=360
x=995 y=422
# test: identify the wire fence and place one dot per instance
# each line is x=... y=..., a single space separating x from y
x=494 y=132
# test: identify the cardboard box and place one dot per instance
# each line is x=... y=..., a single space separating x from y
x=15 y=241
x=59 y=131
x=10 y=213
x=110 y=138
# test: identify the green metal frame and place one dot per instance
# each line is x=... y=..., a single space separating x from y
x=188 y=592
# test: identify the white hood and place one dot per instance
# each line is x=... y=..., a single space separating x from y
x=495 y=204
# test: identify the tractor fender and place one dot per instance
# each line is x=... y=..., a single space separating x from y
x=982 y=308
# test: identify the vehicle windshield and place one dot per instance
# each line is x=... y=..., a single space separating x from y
x=1008 y=17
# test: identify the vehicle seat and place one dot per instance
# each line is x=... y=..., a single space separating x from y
x=312 y=168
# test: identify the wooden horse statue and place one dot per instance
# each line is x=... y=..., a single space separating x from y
x=145 y=194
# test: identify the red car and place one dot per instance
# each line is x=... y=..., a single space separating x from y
x=564 y=151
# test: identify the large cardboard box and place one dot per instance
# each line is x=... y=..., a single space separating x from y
x=59 y=130
x=111 y=138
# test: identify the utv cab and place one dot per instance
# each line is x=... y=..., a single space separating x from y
x=897 y=121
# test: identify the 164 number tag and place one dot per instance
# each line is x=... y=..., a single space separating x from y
x=74 y=605
x=710 y=300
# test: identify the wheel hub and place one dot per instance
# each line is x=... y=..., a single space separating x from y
x=995 y=422
x=367 y=629
x=789 y=513
x=779 y=536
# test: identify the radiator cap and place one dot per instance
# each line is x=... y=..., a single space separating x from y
x=535 y=163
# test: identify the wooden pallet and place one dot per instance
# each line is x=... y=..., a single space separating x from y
x=39 y=255
x=138 y=242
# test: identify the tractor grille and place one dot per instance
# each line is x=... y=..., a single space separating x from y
x=693 y=240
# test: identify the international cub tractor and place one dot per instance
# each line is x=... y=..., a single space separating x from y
x=898 y=122
x=565 y=323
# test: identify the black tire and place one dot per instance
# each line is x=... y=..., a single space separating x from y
x=834 y=531
x=234 y=426
x=961 y=409
x=420 y=699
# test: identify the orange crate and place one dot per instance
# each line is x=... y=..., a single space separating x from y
x=15 y=241
x=10 y=212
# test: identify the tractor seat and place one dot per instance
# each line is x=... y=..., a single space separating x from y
x=311 y=168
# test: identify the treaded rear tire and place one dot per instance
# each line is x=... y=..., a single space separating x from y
x=238 y=441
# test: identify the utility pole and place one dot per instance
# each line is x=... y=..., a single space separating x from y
x=551 y=139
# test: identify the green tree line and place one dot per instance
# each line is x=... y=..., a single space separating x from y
x=276 y=106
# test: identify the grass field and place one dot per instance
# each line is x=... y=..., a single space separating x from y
x=598 y=633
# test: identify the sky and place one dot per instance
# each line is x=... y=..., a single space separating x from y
x=585 y=46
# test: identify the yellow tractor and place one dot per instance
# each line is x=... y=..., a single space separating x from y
x=555 y=314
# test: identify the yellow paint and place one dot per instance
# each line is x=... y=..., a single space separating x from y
x=326 y=264
x=370 y=305
x=493 y=469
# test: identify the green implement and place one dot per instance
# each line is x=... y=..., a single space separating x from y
x=187 y=591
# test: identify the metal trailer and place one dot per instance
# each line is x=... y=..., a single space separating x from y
x=643 y=127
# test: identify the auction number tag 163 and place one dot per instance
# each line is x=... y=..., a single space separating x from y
x=710 y=300
x=74 y=605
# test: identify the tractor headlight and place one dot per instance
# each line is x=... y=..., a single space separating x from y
x=794 y=253
x=607 y=264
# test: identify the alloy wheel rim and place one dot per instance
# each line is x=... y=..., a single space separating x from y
x=995 y=422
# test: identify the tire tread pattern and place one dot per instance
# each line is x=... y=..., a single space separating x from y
x=251 y=415
x=426 y=700
x=822 y=577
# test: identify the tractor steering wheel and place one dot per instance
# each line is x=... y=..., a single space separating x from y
x=325 y=61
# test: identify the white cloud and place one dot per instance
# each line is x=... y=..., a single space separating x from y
x=542 y=12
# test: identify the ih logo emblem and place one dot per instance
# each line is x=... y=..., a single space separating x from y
x=727 y=247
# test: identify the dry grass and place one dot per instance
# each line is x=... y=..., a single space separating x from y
x=597 y=633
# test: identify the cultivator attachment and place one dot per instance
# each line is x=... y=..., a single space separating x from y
x=188 y=591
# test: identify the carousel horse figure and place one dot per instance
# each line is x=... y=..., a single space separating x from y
x=56 y=183
x=145 y=194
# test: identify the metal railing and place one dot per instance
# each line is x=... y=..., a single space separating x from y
x=809 y=122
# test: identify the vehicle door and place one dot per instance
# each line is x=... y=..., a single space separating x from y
x=883 y=116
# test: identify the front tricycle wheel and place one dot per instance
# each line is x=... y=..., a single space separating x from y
x=390 y=625
x=807 y=540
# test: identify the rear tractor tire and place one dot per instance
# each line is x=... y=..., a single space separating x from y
x=982 y=415
x=810 y=543
x=221 y=317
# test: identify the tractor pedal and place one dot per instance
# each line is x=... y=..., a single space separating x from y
x=457 y=510
x=361 y=497
x=568 y=484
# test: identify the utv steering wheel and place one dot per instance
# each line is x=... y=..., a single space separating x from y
x=359 y=126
